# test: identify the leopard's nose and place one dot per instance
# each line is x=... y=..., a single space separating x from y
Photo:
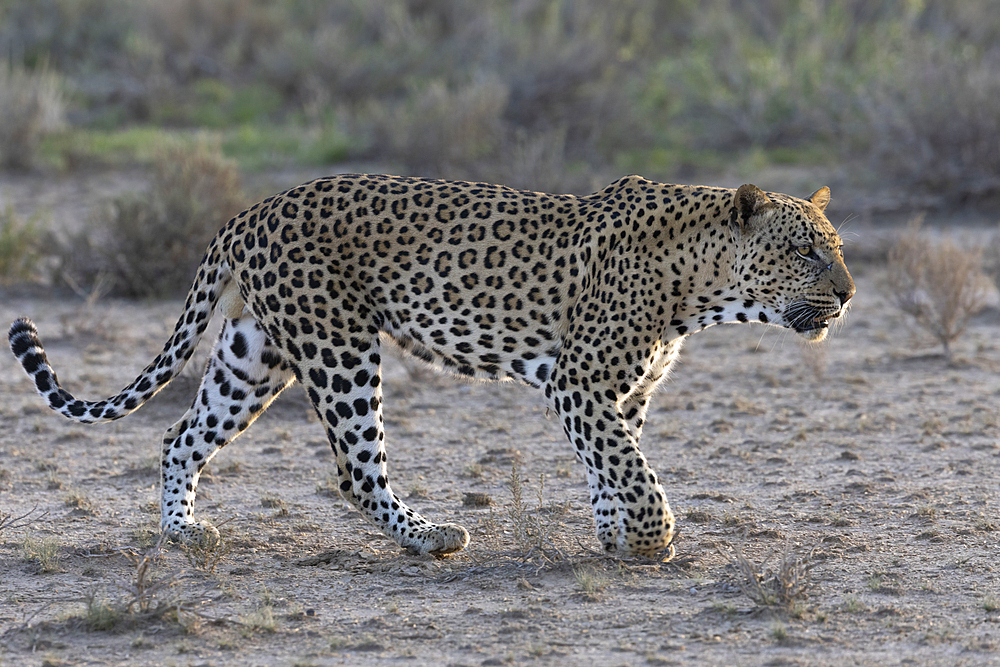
x=845 y=295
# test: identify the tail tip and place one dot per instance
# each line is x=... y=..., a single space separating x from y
x=22 y=332
x=22 y=325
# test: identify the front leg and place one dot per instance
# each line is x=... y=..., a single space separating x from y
x=623 y=486
x=635 y=404
x=633 y=407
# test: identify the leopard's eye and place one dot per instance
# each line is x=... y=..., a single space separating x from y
x=804 y=250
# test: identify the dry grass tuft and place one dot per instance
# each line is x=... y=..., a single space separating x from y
x=782 y=587
x=145 y=598
x=42 y=552
x=530 y=532
x=939 y=285
x=206 y=554
x=531 y=527
x=591 y=583
x=142 y=598
x=260 y=621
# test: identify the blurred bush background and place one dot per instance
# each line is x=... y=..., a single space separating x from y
x=552 y=94
x=897 y=97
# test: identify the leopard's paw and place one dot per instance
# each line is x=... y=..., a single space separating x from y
x=439 y=540
x=201 y=533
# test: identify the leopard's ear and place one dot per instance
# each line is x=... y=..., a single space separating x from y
x=820 y=198
x=748 y=201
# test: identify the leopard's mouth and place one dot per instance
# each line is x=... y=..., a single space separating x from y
x=811 y=322
x=821 y=322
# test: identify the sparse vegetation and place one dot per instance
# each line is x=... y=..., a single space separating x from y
x=937 y=284
x=698 y=516
x=591 y=582
x=534 y=93
x=32 y=105
x=853 y=606
x=149 y=244
x=146 y=536
x=530 y=530
x=43 y=552
x=476 y=499
x=21 y=244
x=782 y=587
x=273 y=502
x=206 y=554
x=79 y=502
x=9 y=521
x=143 y=597
x=530 y=527
x=260 y=620
x=474 y=470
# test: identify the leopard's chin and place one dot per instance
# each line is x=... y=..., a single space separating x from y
x=814 y=334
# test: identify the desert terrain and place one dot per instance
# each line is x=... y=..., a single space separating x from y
x=862 y=473
x=838 y=504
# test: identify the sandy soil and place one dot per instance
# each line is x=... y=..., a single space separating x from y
x=870 y=461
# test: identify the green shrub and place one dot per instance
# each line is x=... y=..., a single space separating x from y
x=20 y=246
x=148 y=244
x=933 y=120
x=441 y=128
x=904 y=88
x=31 y=105
x=43 y=552
x=542 y=93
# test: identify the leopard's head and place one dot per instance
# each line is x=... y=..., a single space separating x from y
x=789 y=267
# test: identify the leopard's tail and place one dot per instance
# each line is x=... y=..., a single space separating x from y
x=212 y=278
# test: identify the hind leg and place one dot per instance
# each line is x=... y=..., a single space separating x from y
x=244 y=374
x=347 y=393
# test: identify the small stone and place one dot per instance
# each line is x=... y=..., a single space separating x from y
x=474 y=499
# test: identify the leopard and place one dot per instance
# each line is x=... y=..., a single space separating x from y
x=587 y=298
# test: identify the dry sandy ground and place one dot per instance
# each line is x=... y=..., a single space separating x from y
x=869 y=461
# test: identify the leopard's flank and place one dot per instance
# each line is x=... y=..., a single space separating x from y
x=586 y=298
